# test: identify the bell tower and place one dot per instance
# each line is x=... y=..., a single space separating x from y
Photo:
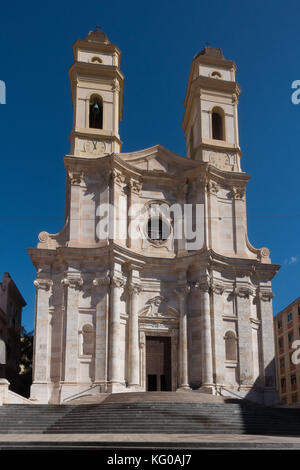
x=97 y=95
x=210 y=120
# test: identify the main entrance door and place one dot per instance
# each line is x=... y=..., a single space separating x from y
x=158 y=363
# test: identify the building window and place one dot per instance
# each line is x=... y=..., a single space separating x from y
x=280 y=343
x=290 y=338
x=279 y=324
x=283 y=385
x=96 y=112
x=281 y=362
x=293 y=380
x=299 y=310
x=217 y=125
x=289 y=317
x=230 y=346
x=157 y=229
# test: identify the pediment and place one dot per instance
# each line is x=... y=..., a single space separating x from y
x=158 y=308
x=158 y=160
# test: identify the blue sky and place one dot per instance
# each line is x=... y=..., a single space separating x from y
x=158 y=40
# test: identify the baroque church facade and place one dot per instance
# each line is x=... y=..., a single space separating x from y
x=122 y=302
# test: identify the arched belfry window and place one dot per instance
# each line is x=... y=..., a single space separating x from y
x=96 y=112
x=217 y=124
x=230 y=346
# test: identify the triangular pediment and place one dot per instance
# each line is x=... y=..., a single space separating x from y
x=158 y=160
x=158 y=308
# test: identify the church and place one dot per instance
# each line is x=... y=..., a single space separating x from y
x=152 y=283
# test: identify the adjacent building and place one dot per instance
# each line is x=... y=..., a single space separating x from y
x=152 y=284
x=11 y=304
x=286 y=331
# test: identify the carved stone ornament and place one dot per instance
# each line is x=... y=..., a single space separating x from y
x=264 y=252
x=116 y=85
x=43 y=284
x=182 y=290
x=76 y=177
x=117 y=177
x=221 y=161
x=117 y=281
x=217 y=288
x=157 y=309
x=43 y=237
x=243 y=292
x=72 y=282
x=238 y=193
x=101 y=281
x=265 y=295
x=213 y=187
x=202 y=285
x=135 y=186
x=134 y=288
x=95 y=147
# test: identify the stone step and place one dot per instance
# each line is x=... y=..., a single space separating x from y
x=149 y=417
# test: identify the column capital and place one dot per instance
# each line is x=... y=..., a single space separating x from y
x=212 y=187
x=242 y=291
x=265 y=295
x=203 y=285
x=238 y=193
x=217 y=288
x=101 y=281
x=43 y=284
x=76 y=177
x=182 y=290
x=134 y=186
x=117 y=281
x=72 y=282
x=134 y=288
x=117 y=177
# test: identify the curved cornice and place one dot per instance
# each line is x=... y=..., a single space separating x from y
x=208 y=258
x=180 y=167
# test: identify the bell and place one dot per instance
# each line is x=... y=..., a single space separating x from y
x=96 y=106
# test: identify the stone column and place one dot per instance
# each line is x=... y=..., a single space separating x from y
x=101 y=341
x=266 y=312
x=212 y=189
x=239 y=216
x=133 y=191
x=134 y=352
x=207 y=366
x=76 y=180
x=182 y=292
x=115 y=375
x=181 y=194
x=72 y=284
x=217 y=304
x=39 y=388
x=243 y=308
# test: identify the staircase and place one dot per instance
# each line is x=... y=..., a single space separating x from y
x=230 y=417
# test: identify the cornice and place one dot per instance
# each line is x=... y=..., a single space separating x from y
x=95 y=46
x=97 y=70
x=112 y=251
